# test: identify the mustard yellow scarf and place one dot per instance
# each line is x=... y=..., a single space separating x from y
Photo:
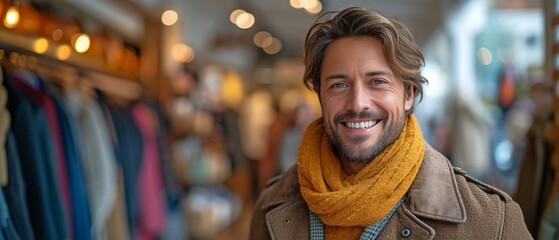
x=347 y=204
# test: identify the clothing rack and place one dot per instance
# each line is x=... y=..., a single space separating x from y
x=21 y=43
x=17 y=49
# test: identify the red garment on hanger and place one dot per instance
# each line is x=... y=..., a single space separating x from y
x=151 y=193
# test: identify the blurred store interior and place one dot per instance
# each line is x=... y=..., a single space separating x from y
x=163 y=119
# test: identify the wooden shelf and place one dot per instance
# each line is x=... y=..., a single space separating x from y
x=24 y=44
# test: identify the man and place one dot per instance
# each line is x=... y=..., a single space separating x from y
x=363 y=169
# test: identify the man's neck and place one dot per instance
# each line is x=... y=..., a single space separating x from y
x=351 y=168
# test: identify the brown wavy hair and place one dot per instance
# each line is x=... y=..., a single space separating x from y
x=401 y=52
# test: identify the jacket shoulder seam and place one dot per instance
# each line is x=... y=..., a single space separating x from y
x=483 y=186
x=503 y=216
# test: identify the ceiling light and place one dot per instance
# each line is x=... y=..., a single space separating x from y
x=12 y=17
x=295 y=4
x=169 y=17
x=82 y=43
x=259 y=38
x=235 y=14
x=274 y=47
x=245 y=20
x=316 y=9
x=267 y=42
x=182 y=53
x=309 y=4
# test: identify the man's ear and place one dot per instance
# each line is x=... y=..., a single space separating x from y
x=409 y=96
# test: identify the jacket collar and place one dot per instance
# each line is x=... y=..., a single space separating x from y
x=285 y=189
x=433 y=194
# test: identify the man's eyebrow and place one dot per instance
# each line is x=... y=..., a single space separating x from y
x=337 y=76
x=368 y=74
x=377 y=73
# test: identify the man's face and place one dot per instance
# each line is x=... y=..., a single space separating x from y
x=363 y=102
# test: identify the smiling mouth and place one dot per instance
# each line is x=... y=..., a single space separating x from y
x=361 y=125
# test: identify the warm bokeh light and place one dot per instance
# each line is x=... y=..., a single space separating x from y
x=40 y=45
x=82 y=43
x=290 y=99
x=32 y=63
x=13 y=57
x=245 y=20
x=182 y=53
x=235 y=14
x=295 y=4
x=190 y=56
x=259 y=37
x=169 y=17
x=12 y=17
x=316 y=9
x=274 y=47
x=309 y=4
x=57 y=34
x=63 y=52
x=232 y=89
x=267 y=42
x=22 y=61
x=178 y=51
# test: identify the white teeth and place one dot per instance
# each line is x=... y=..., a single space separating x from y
x=358 y=125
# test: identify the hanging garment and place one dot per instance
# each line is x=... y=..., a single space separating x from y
x=151 y=193
x=38 y=162
x=4 y=125
x=7 y=229
x=172 y=188
x=117 y=224
x=81 y=217
x=99 y=162
x=127 y=142
x=7 y=226
x=54 y=127
x=15 y=191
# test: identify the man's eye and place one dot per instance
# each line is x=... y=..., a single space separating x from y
x=339 y=85
x=377 y=81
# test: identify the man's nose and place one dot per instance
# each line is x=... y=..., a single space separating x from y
x=359 y=99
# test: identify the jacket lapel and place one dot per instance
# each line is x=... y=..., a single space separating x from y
x=434 y=193
x=288 y=217
x=289 y=221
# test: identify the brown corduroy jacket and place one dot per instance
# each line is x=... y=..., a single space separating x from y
x=442 y=203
